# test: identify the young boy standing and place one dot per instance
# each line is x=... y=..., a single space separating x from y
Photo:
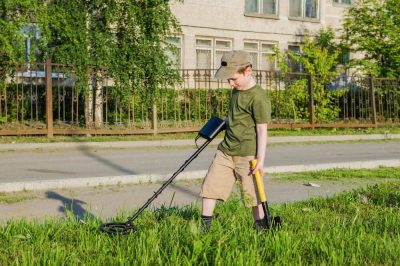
x=245 y=139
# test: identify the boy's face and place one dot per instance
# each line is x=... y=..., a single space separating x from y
x=241 y=81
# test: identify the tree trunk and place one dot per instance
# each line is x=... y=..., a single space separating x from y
x=94 y=103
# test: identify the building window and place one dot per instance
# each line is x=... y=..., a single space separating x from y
x=343 y=2
x=308 y=9
x=293 y=65
x=209 y=52
x=262 y=54
x=264 y=7
x=175 y=56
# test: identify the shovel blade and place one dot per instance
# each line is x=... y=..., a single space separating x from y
x=277 y=222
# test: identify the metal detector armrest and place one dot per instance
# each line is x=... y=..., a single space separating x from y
x=211 y=129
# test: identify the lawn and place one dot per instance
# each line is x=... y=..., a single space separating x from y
x=361 y=227
x=342 y=174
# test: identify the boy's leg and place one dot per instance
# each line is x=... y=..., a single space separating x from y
x=217 y=185
x=207 y=210
x=208 y=206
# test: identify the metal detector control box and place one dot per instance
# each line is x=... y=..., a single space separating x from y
x=212 y=128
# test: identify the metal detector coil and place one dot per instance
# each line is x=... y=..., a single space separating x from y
x=209 y=131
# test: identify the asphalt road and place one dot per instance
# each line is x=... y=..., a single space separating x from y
x=18 y=166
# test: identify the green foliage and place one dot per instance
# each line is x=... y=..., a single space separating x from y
x=289 y=103
x=320 y=59
x=139 y=58
x=372 y=29
x=14 y=15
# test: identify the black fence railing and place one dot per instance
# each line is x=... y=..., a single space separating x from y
x=46 y=98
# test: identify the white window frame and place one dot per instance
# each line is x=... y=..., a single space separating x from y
x=304 y=10
x=213 y=49
x=180 y=47
x=340 y=3
x=259 y=12
x=260 y=52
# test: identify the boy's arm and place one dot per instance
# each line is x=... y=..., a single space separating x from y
x=261 y=147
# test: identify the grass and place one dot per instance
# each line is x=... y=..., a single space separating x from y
x=15 y=197
x=272 y=132
x=333 y=131
x=341 y=174
x=354 y=228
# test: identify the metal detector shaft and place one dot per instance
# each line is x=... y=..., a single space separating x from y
x=158 y=192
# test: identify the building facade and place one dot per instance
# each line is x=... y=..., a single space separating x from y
x=212 y=27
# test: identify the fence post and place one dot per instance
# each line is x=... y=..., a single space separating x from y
x=311 y=101
x=154 y=120
x=49 y=98
x=373 y=104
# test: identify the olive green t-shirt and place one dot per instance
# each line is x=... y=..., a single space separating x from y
x=246 y=109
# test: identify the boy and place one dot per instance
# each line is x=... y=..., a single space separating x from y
x=245 y=139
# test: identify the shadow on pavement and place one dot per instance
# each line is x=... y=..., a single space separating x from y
x=85 y=150
x=73 y=205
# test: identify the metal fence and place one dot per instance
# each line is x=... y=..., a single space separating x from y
x=47 y=99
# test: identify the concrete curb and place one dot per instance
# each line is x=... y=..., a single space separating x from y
x=185 y=142
x=146 y=178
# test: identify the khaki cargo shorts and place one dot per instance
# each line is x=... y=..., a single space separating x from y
x=222 y=175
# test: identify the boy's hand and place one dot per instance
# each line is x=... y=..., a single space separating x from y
x=259 y=167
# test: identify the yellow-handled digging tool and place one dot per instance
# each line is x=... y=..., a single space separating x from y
x=269 y=219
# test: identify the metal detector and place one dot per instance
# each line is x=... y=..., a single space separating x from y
x=272 y=222
x=209 y=131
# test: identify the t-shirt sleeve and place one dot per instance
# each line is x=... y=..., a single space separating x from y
x=262 y=108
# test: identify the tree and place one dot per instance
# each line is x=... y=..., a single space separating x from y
x=126 y=37
x=140 y=61
x=319 y=58
x=78 y=33
x=372 y=29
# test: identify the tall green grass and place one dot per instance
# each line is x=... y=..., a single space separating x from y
x=337 y=174
x=361 y=227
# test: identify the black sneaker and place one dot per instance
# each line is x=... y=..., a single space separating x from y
x=205 y=224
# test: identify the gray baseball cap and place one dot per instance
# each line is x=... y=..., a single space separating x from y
x=231 y=62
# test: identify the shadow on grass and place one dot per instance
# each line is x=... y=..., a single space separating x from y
x=73 y=205
x=190 y=212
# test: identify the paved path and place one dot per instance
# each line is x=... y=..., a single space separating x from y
x=98 y=163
